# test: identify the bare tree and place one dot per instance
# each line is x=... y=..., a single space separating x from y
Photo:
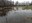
x=31 y=3
x=4 y=4
x=16 y=3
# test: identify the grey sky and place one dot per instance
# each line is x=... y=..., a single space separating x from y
x=22 y=0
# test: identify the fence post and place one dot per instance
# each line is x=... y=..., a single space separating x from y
x=6 y=20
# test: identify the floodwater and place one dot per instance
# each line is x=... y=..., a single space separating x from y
x=18 y=16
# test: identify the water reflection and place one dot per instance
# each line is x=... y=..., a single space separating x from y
x=18 y=16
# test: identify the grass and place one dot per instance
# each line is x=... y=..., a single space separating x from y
x=27 y=7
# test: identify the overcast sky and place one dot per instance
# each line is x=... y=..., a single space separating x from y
x=22 y=0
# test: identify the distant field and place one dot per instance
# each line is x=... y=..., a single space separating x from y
x=25 y=7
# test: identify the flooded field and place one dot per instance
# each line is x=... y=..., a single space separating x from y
x=19 y=16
